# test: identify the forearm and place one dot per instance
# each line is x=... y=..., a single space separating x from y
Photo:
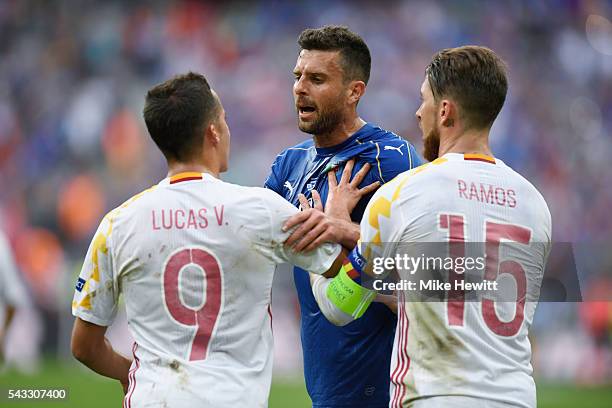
x=350 y=234
x=343 y=299
x=319 y=290
x=104 y=360
x=92 y=348
x=336 y=266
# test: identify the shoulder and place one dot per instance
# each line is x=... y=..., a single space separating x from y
x=385 y=137
x=287 y=160
x=132 y=204
x=391 y=153
x=257 y=193
x=422 y=175
x=421 y=179
x=257 y=201
x=298 y=150
x=439 y=170
x=275 y=204
x=527 y=187
x=128 y=213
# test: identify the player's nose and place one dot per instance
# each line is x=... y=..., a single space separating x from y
x=299 y=87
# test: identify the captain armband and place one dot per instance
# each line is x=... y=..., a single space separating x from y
x=345 y=292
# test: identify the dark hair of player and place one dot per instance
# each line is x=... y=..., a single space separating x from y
x=176 y=113
x=473 y=76
x=355 y=54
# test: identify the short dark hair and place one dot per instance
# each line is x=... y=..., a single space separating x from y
x=356 y=60
x=176 y=113
x=475 y=77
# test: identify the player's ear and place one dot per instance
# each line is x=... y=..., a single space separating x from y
x=356 y=91
x=210 y=138
x=447 y=113
x=212 y=133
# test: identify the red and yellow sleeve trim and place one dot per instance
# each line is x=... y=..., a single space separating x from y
x=350 y=271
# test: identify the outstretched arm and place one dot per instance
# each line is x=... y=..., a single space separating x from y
x=334 y=224
x=328 y=293
x=331 y=311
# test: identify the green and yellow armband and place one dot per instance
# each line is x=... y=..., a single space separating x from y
x=348 y=295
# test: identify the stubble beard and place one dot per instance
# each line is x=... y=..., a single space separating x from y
x=326 y=122
x=431 y=144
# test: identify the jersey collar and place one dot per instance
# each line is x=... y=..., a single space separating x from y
x=187 y=176
x=472 y=157
x=329 y=151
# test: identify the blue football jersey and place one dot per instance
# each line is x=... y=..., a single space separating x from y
x=343 y=366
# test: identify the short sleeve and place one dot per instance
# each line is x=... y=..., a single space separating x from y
x=12 y=291
x=382 y=223
x=396 y=158
x=96 y=291
x=273 y=181
x=414 y=158
x=279 y=211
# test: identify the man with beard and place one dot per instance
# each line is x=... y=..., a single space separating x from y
x=343 y=366
x=471 y=348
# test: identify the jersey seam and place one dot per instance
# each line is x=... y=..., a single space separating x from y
x=409 y=156
x=271 y=229
x=378 y=161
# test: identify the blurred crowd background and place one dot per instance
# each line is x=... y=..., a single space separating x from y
x=73 y=145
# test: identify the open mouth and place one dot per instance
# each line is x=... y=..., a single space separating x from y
x=306 y=109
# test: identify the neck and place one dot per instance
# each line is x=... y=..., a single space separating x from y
x=175 y=168
x=470 y=141
x=343 y=131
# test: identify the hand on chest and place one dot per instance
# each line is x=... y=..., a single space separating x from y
x=315 y=177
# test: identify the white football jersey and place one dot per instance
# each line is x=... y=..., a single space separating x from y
x=477 y=349
x=194 y=258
